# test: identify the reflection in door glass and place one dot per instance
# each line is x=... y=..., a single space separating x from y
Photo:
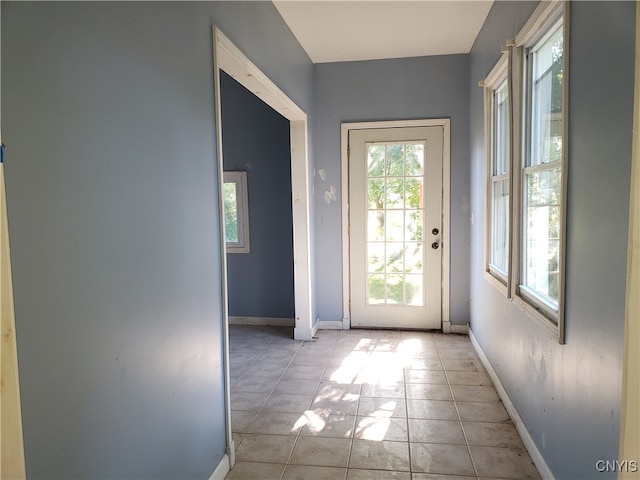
x=395 y=246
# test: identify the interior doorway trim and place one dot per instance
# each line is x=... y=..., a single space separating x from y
x=228 y=58
x=446 y=208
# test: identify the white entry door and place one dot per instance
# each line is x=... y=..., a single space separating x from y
x=395 y=218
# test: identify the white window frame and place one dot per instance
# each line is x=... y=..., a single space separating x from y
x=496 y=80
x=242 y=209
x=512 y=67
x=542 y=21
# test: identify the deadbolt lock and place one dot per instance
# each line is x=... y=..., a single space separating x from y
x=435 y=231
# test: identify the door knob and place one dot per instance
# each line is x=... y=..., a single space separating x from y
x=435 y=245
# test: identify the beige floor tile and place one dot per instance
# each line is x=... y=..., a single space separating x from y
x=381 y=428
x=425 y=376
x=312 y=359
x=474 y=393
x=425 y=391
x=494 y=462
x=288 y=403
x=243 y=356
x=382 y=407
x=297 y=386
x=436 y=431
x=277 y=423
x=241 y=420
x=367 y=404
x=336 y=426
x=385 y=391
x=432 y=476
x=306 y=372
x=255 y=471
x=383 y=455
x=442 y=459
x=275 y=357
x=266 y=370
x=256 y=384
x=247 y=400
x=328 y=452
x=423 y=363
x=453 y=364
x=492 y=435
x=482 y=412
x=360 y=474
x=452 y=341
x=305 y=472
x=345 y=406
x=265 y=448
x=431 y=409
x=457 y=353
x=468 y=378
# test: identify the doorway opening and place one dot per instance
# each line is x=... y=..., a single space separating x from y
x=229 y=59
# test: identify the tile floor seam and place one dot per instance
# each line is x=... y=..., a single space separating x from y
x=455 y=405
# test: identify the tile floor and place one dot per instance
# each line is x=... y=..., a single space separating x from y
x=367 y=404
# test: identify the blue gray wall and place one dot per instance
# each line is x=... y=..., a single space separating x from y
x=255 y=139
x=111 y=178
x=398 y=89
x=568 y=395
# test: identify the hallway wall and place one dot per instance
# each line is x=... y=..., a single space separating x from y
x=397 y=89
x=568 y=395
x=108 y=117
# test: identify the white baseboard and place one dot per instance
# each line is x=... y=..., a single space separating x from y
x=460 y=329
x=268 y=321
x=329 y=325
x=535 y=454
x=221 y=470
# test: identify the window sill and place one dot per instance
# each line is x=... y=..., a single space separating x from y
x=539 y=317
x=493 y=280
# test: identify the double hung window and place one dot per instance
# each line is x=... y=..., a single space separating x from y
x=525 y=115
x=499 y=178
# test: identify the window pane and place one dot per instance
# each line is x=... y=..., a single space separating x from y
x=545 y=63
x=500 y=225
x=375 y=160
x=230 y=212
x=542 y=234
x=501 y=131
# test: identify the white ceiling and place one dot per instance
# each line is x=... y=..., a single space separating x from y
x=337 y=31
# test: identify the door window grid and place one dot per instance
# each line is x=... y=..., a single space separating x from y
x=394 y=223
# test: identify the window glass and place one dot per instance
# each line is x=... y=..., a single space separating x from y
x=542 y=174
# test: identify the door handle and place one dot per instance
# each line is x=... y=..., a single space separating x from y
x=435 y=245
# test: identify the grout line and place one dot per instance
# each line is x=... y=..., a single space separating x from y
x=455 y=405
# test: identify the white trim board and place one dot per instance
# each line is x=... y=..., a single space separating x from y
x=268 y=321
x=536 y=456
x=229 y=58
x=446 y=208
x=222 y=469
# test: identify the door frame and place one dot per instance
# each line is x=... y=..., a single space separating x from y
x=445 y=123
x=230 y=59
